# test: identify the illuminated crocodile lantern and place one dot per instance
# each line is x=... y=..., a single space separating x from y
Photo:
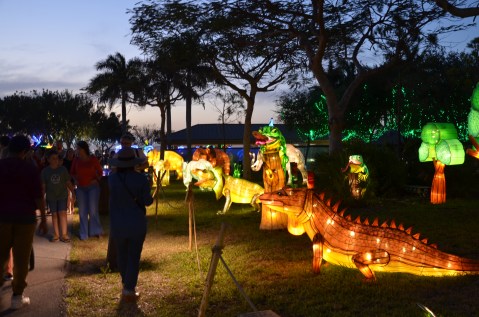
x=216 y=157
x=473 y=123
x=235 y=190
x=370 y=247
x=172 y=162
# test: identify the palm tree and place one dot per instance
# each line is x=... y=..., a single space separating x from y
x=117 y=80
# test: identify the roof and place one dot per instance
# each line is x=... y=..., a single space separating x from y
x=204 y=134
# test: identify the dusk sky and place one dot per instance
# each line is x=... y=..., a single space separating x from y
x=55 y=44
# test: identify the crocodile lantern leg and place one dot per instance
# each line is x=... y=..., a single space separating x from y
x=254 y=202
x=364 y=259
x=318 y=242
x=228 y=202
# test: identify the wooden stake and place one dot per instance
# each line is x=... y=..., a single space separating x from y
x=217 y=250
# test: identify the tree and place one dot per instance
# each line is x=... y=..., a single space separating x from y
x=363 y=39
x=161 y=86
x=305 y=111
x=235 y=63
x=152 y=28
x=117 y=80
x=458 y=10
x=231 y=109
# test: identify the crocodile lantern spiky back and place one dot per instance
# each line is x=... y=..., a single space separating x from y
x=369 y=246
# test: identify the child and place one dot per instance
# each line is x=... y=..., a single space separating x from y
x=56 y=183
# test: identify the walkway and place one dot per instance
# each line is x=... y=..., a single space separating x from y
x=46 y=284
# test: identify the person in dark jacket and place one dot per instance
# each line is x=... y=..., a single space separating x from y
x=21 y=195
x=130 y=193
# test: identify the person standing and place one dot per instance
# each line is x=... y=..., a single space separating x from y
x=130 y=193
x=56 y=183
x=126 y=141
x=21 y=195
x=86 y=171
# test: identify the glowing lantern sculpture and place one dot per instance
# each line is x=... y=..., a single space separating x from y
x=216 y=157
x=357 y=176
x=473 y=123
x=368 y=246
x=440 y=145
x=236 y=190
x=273 y=150
x=172 y=162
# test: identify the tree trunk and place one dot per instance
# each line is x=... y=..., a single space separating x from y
x=162 y=132
x=123 y=114
x=189 y=103
x=335 y=134
x=247 y=139
x=168 y=124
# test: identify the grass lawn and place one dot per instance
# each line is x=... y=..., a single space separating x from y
x=273 y=267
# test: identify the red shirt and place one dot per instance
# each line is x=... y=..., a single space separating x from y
x=86 y=171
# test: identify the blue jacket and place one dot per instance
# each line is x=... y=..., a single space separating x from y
x=126 y=216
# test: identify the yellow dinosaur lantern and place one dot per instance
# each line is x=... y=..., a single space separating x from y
x=172 y=162
x=369 y=247
x=235 y=190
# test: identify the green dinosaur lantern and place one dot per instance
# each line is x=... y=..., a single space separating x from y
x=473 y=123
x=358 y=175
x=440 y=145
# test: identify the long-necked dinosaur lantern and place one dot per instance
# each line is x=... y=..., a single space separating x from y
x=215 y=156
x=473 y=123
x=273 y=150
x=440 y=145
x=370 y=247
x=235 y=190
x=171 y=162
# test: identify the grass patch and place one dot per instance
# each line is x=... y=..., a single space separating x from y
x=273 y=267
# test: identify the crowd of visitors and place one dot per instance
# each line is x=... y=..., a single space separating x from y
x=36 y=181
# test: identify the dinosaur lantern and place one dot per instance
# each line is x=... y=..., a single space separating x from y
x=370 y=247
x=216 y=157
x=273 y=151
x=357 y=176
x=172 y=162
x=440 y=145
x=236 y=190
x=294 y=156
x=473 y=123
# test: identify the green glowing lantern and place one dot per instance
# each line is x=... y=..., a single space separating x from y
x=440 y=145
x=450 y=152
x=473 y=123
x=432 y=133
x=427 y=152
x=475 y=98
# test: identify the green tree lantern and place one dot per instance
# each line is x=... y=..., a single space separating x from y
x=473 y=123
x=440 y=145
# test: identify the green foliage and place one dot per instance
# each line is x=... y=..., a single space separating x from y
x=306 y=111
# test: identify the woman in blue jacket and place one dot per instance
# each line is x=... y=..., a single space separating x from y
x=130 y=193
